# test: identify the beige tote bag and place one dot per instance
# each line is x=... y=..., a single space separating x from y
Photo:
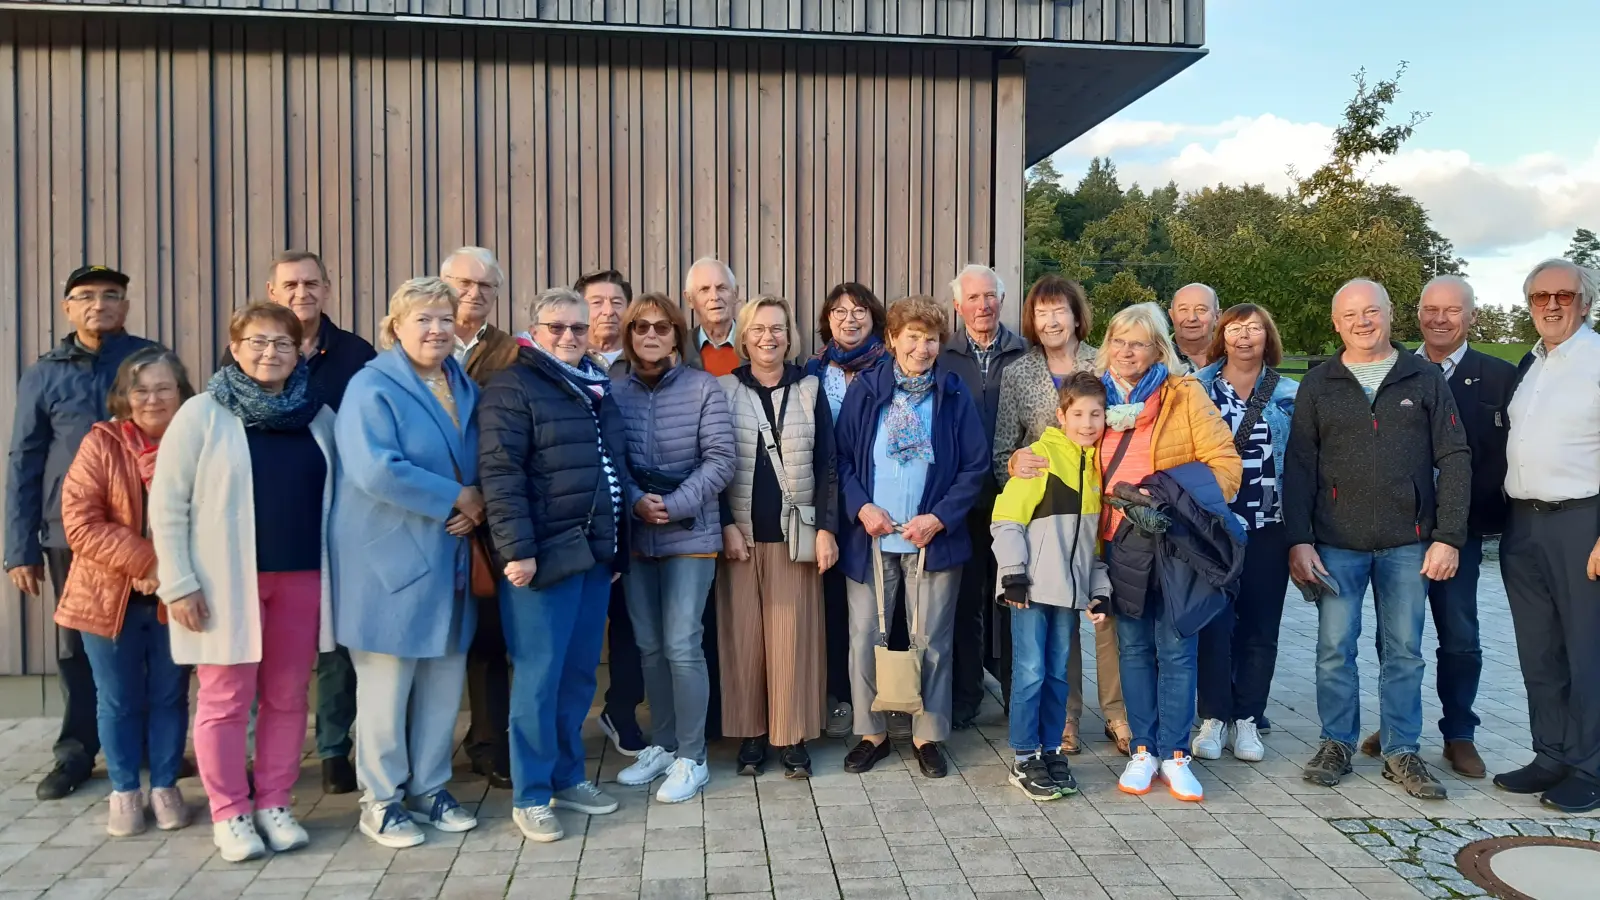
x=899 y=671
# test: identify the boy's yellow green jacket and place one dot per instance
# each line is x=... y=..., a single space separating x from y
x=1048 y=527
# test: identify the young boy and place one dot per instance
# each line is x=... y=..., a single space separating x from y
x=1045 y=541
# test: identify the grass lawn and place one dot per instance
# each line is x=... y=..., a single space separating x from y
x=1511 y=353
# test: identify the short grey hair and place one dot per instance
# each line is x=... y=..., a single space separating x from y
x=1380 y=290
x=1210 y=292
x=553 y=297
x=733 y=281
x=483 y=256
x=975 y=269
x=1456 y=281
x=1588 y=279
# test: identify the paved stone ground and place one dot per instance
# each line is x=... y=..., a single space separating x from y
x=1261 y=833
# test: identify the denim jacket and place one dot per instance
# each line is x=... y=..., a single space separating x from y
x=1278 y=412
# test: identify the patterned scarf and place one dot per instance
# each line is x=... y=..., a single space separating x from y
x=588 y=377
x=288 y=410
x=857 y=360
x=141 y=446
x=908 y=439
x=1122 y=412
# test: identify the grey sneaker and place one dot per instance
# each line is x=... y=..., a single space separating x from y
x=1409 y=771
x=899 y=726
x=127 y=813
x=538 y=823
x=1329 y=766
x=1061 y=773
x=585 y=797
x=841 y=719
x=1032 y=777
x=441 y=810
x=390 y=826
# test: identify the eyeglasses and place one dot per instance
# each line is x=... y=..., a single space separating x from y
x=760 y=331
x=841 y=312
x=163 y=392
x=1248 y=328
x=260 y=345
x=1545 y=299
x=557 y=329
x=642 y=328
x=462 y=285
x=1136 y=346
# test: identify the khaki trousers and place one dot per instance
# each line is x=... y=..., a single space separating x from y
x=1108 y=673
x=769 y=635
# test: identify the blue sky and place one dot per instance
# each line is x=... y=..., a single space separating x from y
x=1508 y=162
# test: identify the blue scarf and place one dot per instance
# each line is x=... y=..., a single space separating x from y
x=1122 y=413
x=587 y=377
x=290 y=409
x=908 y=439
x=862 y=357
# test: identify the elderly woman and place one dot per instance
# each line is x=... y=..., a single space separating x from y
x=1239 y=650
x=850 y=327
x=239 y=516
x=404 y=512
x=1055 y=320
x=552 y=464
x=143 y=706
x=680 y=456
x=912 y=459
x=769 y=609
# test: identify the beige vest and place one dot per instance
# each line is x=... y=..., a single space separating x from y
x=797 y=438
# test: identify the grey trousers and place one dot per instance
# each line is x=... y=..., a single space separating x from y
x=407 y=715
x=667 y=603
x=936 y=617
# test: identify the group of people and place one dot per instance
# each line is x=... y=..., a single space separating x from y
x=778 y=550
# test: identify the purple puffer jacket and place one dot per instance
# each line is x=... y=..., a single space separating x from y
x=681 y=426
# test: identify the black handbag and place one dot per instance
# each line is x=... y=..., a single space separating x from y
x=661 y=483
x=568 y=553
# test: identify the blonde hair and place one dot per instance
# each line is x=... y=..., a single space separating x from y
x=1148 y=318
x=417 y=292
x=747 y=315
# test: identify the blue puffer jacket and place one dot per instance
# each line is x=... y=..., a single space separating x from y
x=680 y=426
x=1278 y=412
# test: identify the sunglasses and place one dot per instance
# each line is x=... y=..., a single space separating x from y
x=560 y=328
x=642 y=328
x=1548 y=299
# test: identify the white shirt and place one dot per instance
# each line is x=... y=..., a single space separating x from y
x=464 y=349
x=1553 y=451
x=1449 y=363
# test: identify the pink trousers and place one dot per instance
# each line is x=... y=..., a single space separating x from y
x=290 y=623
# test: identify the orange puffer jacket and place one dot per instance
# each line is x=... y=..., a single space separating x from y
x=102 y=512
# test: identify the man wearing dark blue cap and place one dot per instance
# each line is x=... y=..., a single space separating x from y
x=58 y=399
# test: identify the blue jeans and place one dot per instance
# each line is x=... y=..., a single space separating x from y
x=1401 y=597
x=667 y=604
x=1460 y=661
x=554 y=637
x=143 y=700
x=1159 y=677
x=1040 y=637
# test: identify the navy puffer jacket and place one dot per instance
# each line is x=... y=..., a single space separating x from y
x=539 y=462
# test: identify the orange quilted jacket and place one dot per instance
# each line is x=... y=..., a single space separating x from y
x=102 y=511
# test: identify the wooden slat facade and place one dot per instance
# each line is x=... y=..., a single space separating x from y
x=188 y=150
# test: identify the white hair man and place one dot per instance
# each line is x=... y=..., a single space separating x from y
x=1550 y=554
x=1363 y=504
x=712 y=291
x=979 y=352
x=481 y=348
x=1194 y=313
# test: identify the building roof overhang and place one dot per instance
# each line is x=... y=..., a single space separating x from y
x=1074 y=87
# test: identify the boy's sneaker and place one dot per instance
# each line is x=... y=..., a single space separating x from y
x=1247 y=746
x=279 y=829
x=538 y=823
x=1329 y=765
x=126 y=818
x=1138 y=774
x=1061 y=773
x=236 y=839
x=170 y=810
x=651 y=763
x=1180 y=779
x=441 y=810
x=684 y=779
x=585 y=797
x=1208 y=743
x=1032 y=777
x=1410 y=772
x=390 y=826
x=625 y=736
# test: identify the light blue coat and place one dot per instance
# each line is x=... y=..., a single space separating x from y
x=399 y=579
x=1278 y=412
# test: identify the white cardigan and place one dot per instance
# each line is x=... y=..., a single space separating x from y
x=203 y=523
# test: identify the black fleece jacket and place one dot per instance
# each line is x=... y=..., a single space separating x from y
x=1360 y=475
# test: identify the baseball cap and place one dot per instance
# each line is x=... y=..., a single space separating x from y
x=86 y=274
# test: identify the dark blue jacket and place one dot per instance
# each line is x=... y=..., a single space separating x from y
x=59 y=399
x=960 y=462
x=1194 y=565
x=340 y=355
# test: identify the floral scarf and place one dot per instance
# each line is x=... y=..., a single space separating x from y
x=908 y=438
x=1122 y=410
x=141 y=446
x=852 y=361
x=288 y=410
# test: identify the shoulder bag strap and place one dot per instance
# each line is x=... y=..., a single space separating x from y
x=1116 y=459
x=1252 y=412
x=771 y=445
x=912 y=603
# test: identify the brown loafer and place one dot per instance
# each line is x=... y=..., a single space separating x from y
x=1069 y=739
x=1121 y=734
x=1372 y=746
x=1464 y=759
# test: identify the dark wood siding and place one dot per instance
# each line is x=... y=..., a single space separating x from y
x=188 y=150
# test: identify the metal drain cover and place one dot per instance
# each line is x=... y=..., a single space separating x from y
x=1546 y=872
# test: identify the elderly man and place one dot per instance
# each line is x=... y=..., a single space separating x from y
x=713 y=293
x=1372 y=427
x=608 y=295
x=481 y=348
x=59 y=399
x=979 y=352
x=1550 y=555
x=1194 y=322
x=1481 y=386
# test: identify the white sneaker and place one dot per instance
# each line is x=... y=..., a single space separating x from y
x=1208 y=743
x=651 y=763
x=1138 y=774
x=391 y=826
x=538 y=823
x=1247 y=744
x=685 y=779
x=1180 y=779
x=237 y=840
x=279 y=829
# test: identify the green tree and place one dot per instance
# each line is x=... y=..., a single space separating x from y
x=1096 y=196
x=1108 y=297
x=1492 y=327
x=1041 y=228
x=1585 y=249
x=1522 y=328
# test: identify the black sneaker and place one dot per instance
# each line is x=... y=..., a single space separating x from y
x=1530 y=779
x=796 y=761
x=1061 y=773
x=61 y=782
x=1329 y=766
x=752 y=755
x=863 y=756
x=338 y=776
x=1575 y=794
x=1410 y=772
x=623 y=733
x=1032 y=777
x=494 y=773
